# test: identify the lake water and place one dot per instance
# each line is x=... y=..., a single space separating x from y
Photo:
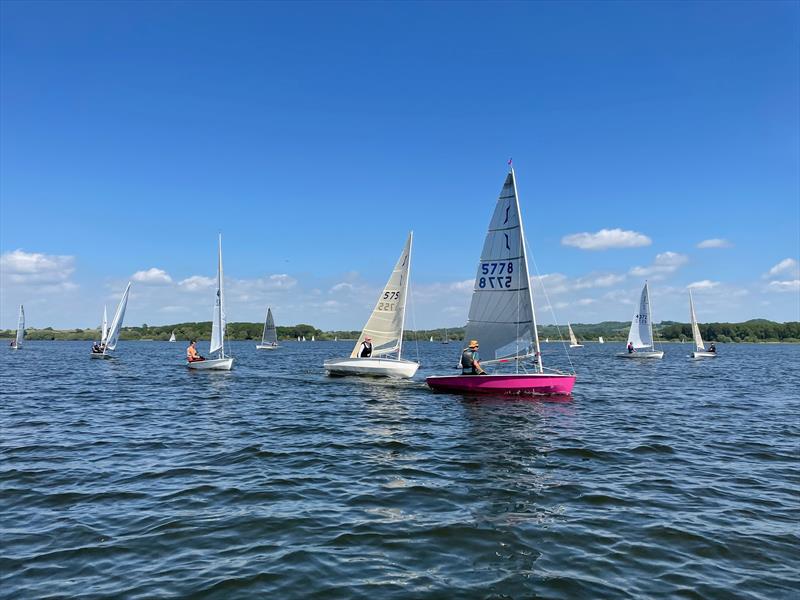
x=138 y=478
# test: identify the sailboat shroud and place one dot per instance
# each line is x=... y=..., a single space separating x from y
x=501 y=314
x=269 y=336
x=385 y=327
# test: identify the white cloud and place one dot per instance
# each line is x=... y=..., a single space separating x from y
x=664 y=263
x=714 y=243
x=704 y=284
x=785 y=286
x=197 y=282
x=787 y=265
x=152 y=276
x=598 y=280
x=33 y=267
x=341 y=287
x=605 y=239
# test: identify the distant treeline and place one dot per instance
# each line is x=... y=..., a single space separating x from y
x=756 y=330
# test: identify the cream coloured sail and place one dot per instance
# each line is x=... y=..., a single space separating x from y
x=572 y=339
x=641 y=333
x=501 y=315
x=218 y=318
x=20 y=328
x=116 y=322
x=698 y=340
x=385 y=324
x=270 y=334
x=104 y=326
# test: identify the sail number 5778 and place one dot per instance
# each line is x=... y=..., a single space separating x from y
x=497 y=275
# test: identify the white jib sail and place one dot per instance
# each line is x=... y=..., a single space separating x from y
x=572 y=339
x=698 y=340
x=501 y=316
x=385 y=324
x=218 y=319
x=20 y=327
x=116 y=323
x=641 y=333
x=600 y=340
x=104 y=326
x=270 y=334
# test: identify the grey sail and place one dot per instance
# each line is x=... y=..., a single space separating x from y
x=270 y=334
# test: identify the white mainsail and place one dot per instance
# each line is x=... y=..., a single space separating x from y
x=104 y=326
x=641 y=333
x=385 y=324
x=116 y=322
x=218 y=319
x=572 y=339
x=20 y=328
x=600 y=340
x=501 y=315
x=698 y=340
x=172 y=337
x=270 y=334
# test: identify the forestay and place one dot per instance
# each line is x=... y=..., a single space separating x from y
x=698 y=340
x=641 y=333
x=269 y=335
x=20 y=327
x=116 y=323
x=385 y=324
x=501 y=313
x=218 y=320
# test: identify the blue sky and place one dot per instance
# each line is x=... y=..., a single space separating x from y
x=316 y=135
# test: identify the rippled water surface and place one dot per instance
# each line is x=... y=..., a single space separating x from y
x=137 y=478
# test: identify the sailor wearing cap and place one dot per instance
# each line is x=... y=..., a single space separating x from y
x=470 y=361
x=366 y=348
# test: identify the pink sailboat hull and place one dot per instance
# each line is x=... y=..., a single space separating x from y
x=533 y=383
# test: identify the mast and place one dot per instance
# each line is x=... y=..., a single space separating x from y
x=538 y=356
x=221 y=310
x=405 y=295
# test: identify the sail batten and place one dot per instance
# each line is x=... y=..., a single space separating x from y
x=385 y=324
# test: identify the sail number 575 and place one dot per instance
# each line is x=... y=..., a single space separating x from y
x=497 y=275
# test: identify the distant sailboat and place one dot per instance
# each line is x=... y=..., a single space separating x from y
x=385 y=327
x=336 y=338
x=501 y=314
x=430 y=340
x=218 y=323
x=111 y=336
x=172 y=337
x=641 y=332
x=269 y=337
x=304 y=338
x=298 y=338
x=573 y=341
x=17 y=343
x=313 y=339
x=600 y=340
x=699 y=346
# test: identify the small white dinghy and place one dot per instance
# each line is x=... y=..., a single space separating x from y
x=172 y=337
x=218 y=322
x=699 y=346
x=16 y=344
x=641 y=333
x=600 y=340
x=109 y=336
x=573 y=341
x=269 y=337
x=385 y=327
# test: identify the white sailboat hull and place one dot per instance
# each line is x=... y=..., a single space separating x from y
x=99 y=355
x=372 y=367
x=641 y=354
x=576 y=345
x=266 y=347
x=218 y=364
x=704 y=354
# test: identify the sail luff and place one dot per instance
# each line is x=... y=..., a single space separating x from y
x=20 y=327
x=116 y=322
x=528 y=277
x=698 y=340
x=405 y=296
x=217 y=343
